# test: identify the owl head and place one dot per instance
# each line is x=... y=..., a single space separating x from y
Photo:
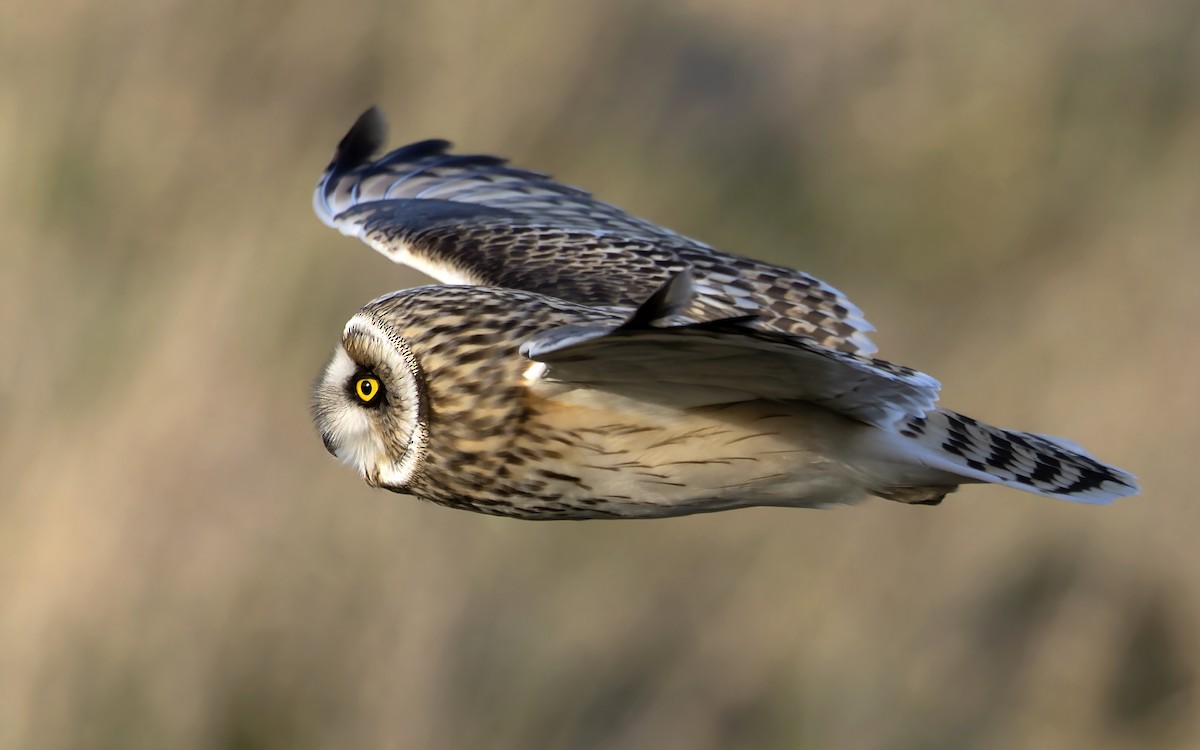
x=370 y=406
x=428 y=392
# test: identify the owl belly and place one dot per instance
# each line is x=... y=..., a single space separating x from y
x=626 y=458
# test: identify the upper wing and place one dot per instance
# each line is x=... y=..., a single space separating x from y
x=462 y=243
x=472 y=219
x=727 y=361
x=425 y=171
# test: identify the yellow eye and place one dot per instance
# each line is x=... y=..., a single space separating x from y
x=367 y=389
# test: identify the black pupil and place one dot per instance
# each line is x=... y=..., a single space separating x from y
x=367 y=388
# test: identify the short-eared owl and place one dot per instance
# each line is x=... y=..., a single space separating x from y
x=585 y=363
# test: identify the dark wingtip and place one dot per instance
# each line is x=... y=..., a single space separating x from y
x=365 y=137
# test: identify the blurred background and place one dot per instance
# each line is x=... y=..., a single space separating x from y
x=1010 y=190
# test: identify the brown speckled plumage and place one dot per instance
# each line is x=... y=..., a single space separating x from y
x=502 y=443
x=599 y=366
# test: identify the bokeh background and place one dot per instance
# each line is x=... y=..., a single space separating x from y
x=1011 y=190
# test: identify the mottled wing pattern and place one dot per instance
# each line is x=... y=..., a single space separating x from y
x=526 y=231
x=783 y=300
x=481 y=245
x=725 y=361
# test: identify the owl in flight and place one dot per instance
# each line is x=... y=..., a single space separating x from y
x=577 y=361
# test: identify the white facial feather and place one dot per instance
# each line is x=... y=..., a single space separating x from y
x=354 y=438
x=391 y=470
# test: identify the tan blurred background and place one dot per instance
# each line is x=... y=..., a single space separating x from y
x=1011 y=190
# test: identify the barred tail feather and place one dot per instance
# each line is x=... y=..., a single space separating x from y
x=975 y=451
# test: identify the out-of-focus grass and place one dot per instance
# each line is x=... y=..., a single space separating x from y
x=1009 y=189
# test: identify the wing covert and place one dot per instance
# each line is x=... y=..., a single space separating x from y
x=725 y=361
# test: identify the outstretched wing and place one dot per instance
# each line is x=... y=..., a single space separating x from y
x=472 y=219
x=425 y=171
x=463 y=243
x=726 y=361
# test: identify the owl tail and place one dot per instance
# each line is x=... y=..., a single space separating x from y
x=972 y=451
